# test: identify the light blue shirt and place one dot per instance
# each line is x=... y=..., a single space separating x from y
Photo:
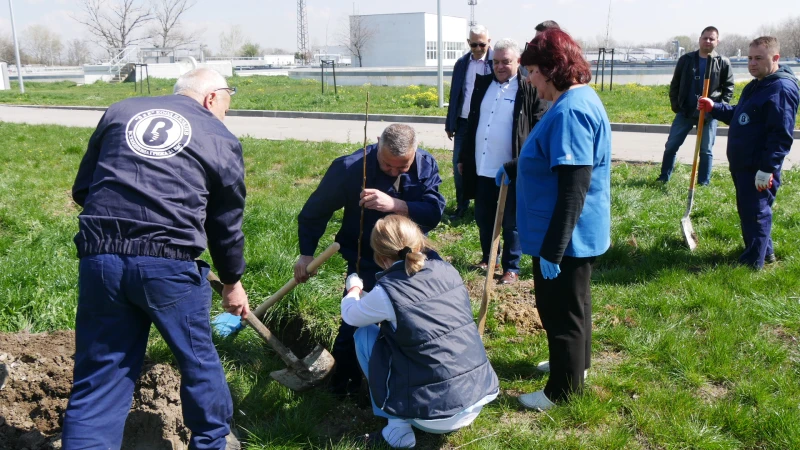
x=575 y=131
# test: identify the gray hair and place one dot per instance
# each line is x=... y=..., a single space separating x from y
x=507 y=44
x=201 y=81
x=399 y=139
x=478 y=30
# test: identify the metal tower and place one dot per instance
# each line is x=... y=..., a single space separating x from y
x=302 y=31
x=472 y=4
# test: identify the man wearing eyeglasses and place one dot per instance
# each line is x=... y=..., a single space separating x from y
x=478 y=61
x=504 y=109
x=161 y=180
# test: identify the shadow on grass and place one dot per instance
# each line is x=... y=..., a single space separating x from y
x=625 y=264
x=510 y=369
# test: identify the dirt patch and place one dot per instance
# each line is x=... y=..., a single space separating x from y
x=514 y=304
x=711 y=392
x=36 y=378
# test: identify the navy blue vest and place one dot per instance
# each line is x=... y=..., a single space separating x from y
x=434 y=365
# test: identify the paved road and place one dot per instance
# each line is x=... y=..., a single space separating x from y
x=627 y=146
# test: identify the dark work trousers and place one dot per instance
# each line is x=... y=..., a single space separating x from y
x=347 y=376
x=565 y=307
x=119 y=297
x=486 y=195
x=458 y=141
x=755 y=214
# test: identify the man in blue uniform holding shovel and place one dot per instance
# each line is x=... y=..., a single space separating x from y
x=401 y=179
x=760 y=136
x=162 y=178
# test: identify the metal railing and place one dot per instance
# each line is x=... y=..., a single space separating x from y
x=44 y=69
x=129 y=54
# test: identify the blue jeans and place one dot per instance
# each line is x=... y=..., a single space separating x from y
x=365 y=338
x=458 y=141
x=119 y=297
x=486 y=195
x=681 y=126
x=755 y=214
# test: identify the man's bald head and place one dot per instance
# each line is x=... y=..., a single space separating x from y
x=208 y=87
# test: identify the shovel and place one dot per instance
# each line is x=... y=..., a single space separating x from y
x=498 y=223
x=300 y=375
x=686 y=222
x=226 y=324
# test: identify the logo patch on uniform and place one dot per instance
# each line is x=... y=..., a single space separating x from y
x=158 y=133
x=744 y=119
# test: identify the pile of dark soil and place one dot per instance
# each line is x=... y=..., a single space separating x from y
x=35 y=382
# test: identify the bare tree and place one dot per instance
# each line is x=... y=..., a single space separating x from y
x=114 y=22
x=168 y=32
x=78 y=52
x=7 y=51
x=42 y=45
x=358 y=37
x=231 y=42
x=733 y=45
x=790 y=37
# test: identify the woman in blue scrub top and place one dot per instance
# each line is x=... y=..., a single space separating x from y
x=563 y=178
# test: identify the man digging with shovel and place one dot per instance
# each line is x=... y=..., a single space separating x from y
x=162 y=178
x=400 y=179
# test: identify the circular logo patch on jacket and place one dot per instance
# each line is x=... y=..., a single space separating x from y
x=744 y=119
x=158 y=133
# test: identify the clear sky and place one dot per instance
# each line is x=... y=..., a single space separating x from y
x=272 y=23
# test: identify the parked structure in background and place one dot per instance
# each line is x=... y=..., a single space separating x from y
x=472 y=4
x=407 y=39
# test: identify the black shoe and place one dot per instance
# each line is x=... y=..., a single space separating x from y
x=662 y=179
x=458 y=214
x=770 y=259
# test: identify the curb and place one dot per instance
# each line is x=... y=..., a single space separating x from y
x=397 y=118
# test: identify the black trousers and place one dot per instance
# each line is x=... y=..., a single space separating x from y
x=565 y=307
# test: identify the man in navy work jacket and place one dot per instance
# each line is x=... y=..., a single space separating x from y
x=478 y=61
x=162 y=178
x=401 y=179
x=760 y=136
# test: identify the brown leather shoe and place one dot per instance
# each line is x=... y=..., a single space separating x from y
x=508 y=278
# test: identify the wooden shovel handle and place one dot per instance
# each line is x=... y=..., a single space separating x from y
x=498 y=223
x=280 y=293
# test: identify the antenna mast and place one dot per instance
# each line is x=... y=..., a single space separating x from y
x=472 y=4
x=302 y=31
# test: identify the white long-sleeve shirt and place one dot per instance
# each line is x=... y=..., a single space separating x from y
x=493 y=135
x=373 y=307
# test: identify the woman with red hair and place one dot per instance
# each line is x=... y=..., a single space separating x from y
x=563 y=178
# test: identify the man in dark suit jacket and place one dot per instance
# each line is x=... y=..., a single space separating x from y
x=478 y=61
x=504 y=109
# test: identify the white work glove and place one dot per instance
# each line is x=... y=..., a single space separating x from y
x=763 y=180
x=352 y=281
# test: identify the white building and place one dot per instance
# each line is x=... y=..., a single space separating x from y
x=409 y=39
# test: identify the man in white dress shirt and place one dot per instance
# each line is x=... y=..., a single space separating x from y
x=504 y=109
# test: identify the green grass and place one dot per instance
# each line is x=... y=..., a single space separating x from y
x=690 y=350
x=629 y=103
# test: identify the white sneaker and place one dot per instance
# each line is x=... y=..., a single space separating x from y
x=544 y=367
x=536 y=400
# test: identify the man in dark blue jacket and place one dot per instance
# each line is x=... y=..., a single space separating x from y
x=760 y=136
x=478 y=61
x=162 y=178
x=401 y=179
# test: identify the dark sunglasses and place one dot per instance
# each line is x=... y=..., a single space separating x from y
x=231 y=90
x=475 y=44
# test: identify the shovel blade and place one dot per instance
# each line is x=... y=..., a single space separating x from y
x=688 y=233
x=319 y=363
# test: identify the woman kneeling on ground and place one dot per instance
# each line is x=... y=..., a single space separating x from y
x=425 y=360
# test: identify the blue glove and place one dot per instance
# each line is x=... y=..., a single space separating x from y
x=498 y=177
x=227 y=324
x=549 y=270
